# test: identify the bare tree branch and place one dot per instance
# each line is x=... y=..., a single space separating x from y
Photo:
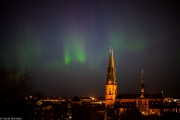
x=14 y=84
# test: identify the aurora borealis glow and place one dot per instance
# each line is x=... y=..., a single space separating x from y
x=65 y=44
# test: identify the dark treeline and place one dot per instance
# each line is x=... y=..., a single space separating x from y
x=14 y=86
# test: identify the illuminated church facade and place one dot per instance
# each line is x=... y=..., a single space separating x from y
x=146 y=103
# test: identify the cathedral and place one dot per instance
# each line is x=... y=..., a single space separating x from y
x=147 y=104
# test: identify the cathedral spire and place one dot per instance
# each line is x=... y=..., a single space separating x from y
x=111 y=59
x=142 y=85
x=142 y=77
x=111 y=85
x=111 y=68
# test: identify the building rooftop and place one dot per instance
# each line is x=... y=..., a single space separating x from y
x=134 y=96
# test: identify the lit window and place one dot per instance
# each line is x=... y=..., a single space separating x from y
x=110 y=91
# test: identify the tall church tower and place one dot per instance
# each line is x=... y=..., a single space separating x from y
x=142 y=85
x=111 y=85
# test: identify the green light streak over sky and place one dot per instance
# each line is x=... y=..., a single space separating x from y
x=135 y=45
x=25 y=54
x=74 y=49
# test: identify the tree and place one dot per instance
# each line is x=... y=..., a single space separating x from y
x=14 y=84
x=13 y=87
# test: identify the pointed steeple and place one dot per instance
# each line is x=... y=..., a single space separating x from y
x=111 y=85
x=111 y=59
x=142 y=85
x=111 y=76
x=142 y=77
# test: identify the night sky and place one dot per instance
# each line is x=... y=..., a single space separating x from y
x=64 y=44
